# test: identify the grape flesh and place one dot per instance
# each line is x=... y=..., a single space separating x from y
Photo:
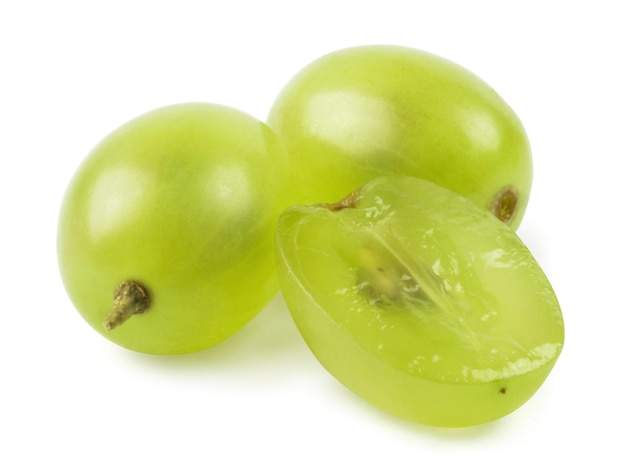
x=420 y=302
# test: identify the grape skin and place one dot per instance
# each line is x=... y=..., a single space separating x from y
x=184 y=200
x=362 y=112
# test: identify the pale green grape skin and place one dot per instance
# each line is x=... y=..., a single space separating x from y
x=367 y=111
x=183 y=200
x=420 y=302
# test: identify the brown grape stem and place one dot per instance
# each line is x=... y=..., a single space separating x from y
x=504 y=204
x=348 y=202
x=130 y=298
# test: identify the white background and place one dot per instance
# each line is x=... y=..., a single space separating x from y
x=70 y=72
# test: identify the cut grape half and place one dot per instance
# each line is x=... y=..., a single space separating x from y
x=420 y=301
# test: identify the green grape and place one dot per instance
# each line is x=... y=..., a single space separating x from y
x=368 y=111
x=166 y=231
x=420 y=301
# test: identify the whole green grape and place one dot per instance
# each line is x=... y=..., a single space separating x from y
x=166 y=231
x=367 y=111
x=420 y=301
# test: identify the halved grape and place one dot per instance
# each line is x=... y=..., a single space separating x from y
x=420 y=301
